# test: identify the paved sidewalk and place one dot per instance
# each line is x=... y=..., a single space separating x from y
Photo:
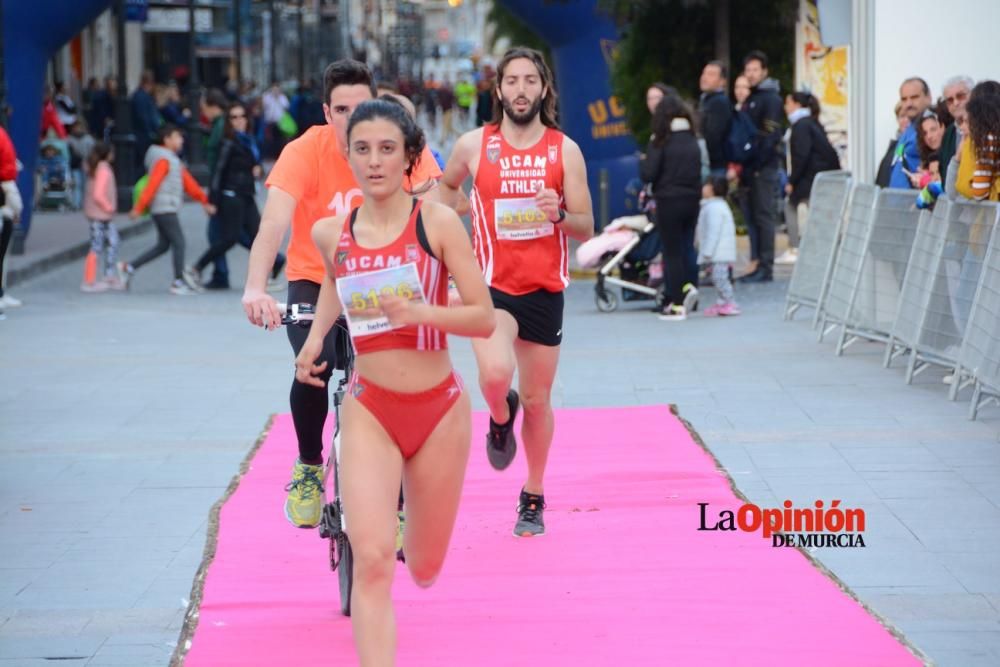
x=58 y=238
x=123 y=418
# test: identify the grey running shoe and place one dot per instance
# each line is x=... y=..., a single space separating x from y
x=501 y=445
x=529 y=515
x=192 y=278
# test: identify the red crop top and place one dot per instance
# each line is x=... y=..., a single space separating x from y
x=407 y=268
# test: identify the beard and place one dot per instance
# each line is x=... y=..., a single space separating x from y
x=521 y=118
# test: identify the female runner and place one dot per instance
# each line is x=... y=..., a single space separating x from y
x=406 y=414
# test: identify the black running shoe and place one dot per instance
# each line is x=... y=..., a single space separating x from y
x=501 y=446
x=529 y=515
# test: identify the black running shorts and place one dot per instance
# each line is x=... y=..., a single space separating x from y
x=539 y=314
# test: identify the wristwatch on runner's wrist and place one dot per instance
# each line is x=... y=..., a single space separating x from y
x=562 y=216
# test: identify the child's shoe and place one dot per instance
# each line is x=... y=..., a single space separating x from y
x=96 y=286
x=729 y=309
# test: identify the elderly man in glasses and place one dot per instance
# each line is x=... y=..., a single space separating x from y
x=915 y=98
x=956 y=94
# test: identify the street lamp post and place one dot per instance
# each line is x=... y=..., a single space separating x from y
x=238 y=38
x=196 y=162
x=302 y=41
x=273 y=27
x=123 y=138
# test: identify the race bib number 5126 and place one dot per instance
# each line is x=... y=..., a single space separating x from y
x=361 y=295
x=520 y=220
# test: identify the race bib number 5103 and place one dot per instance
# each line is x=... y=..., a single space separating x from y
x=520 y=220
x=361 y=294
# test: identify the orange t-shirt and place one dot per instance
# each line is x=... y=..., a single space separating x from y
x=314 y=171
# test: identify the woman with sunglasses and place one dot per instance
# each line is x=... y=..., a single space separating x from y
x=232 y=189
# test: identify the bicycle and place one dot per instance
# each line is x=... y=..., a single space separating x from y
x=333 y=523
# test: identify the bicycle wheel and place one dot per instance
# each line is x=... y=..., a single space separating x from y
x=345 y=572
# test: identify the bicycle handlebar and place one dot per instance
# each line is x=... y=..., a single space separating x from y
x=299 y=314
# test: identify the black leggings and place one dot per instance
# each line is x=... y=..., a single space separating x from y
x=5 y=234
x=236 y=213
x=676 y=218
x=168 y=235
x=310 y=405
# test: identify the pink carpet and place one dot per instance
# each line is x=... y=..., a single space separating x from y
x=622 y=578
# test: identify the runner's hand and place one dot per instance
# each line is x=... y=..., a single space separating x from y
x=306 y=368
x=400 y=311
x=261 y=309
x=547 y=202
x=209 y=208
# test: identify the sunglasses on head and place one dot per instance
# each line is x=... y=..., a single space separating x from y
x=928 y=114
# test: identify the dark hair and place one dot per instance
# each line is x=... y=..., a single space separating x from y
x=723 y=70
x=757 y=55
x=347 y=72
x=165 y=131
x=392 y=99
x=923 y=84
x=227 y=126
x=922 y=148
x=987 y=87
x=983 y=111
x=413 y=136
x=216 y=98
x=941 y=109
x=663 y=88
x=808 y=100
x=720 y=185
x=670 y=107
x=548 y=112
x=98 y=154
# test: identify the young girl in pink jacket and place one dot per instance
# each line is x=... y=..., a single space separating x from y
x=99 y=205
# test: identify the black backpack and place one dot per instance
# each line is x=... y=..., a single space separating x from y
x=826 y=155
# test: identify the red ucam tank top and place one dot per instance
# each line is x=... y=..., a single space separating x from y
x=518 y=249
x=405 y=268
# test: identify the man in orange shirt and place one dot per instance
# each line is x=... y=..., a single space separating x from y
x=312 y=179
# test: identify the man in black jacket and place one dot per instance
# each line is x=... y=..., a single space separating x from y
x=715 y=113
x=761 y=174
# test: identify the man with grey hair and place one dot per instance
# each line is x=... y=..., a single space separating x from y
x=956 y=94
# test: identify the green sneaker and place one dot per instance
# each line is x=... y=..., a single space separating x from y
x=304 y=504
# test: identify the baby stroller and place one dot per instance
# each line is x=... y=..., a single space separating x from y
x=54 y=180
x=631 y=245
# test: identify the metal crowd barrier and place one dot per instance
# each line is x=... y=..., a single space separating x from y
x=979 y=358
x=835 y=307
x=873 y=303
x=917 y=282
x=827 y=202
x=951 y=278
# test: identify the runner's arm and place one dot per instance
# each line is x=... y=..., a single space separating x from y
x=579 y=221
x=456 y=171
x=475 y=318
x=260 y=307
x=325 y=233
x=437 y=193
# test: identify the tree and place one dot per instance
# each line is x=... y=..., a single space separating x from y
x=506 y=24
x=671 y=40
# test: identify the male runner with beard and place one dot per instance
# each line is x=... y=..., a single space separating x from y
x=529 y=194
